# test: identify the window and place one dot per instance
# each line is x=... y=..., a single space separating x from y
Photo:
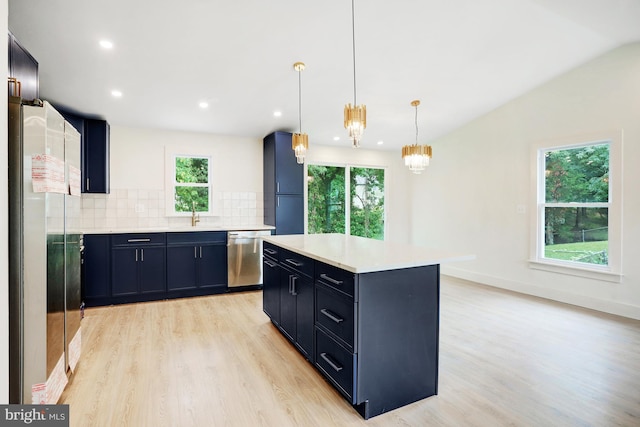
x=192 y=177
x=578 y=208
x=327 y=206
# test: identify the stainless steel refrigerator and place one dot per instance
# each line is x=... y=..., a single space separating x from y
x=45 y=246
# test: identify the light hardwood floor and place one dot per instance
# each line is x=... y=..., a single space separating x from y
x=505 y=360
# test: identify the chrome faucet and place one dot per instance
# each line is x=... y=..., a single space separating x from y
x=194 y=218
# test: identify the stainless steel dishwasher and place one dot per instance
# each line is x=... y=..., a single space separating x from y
x=244 y=257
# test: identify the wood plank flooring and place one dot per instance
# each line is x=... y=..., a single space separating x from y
x=505 y=360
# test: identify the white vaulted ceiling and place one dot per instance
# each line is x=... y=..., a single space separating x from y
x=461 y=58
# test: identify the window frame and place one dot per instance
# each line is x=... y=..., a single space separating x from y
x=611 y=272
x=347 y=182
x=172 y=205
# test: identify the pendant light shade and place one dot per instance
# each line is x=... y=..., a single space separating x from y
x=355 y=116
x=299 y=141
x=415 y=156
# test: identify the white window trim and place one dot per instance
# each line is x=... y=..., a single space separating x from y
x=611 y=272
x=170 y=183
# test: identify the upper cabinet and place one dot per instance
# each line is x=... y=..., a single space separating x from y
x=24 y=68
x=283 y=185
x=95 y=168
x=94 y=142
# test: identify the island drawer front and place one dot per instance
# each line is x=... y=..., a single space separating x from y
x=196 y=237
x=270 y=250
x=336 y=363
x=137 y=239
x=335 y=312
x=297 y=262
x=335 y=278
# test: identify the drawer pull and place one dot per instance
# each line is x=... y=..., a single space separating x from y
x=270 y=251
x=331 y=362
x=270 y=263
x=294 y=262
x=331 y=315
x=138 y=240
x=330 y=280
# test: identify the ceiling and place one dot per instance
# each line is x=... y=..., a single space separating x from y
x=461 y=58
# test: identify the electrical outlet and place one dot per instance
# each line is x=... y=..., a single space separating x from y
x=521 y=209
x=139 y=208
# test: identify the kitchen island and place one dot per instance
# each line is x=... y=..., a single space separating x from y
x=364 y=312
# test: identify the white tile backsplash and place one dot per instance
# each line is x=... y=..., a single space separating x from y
x=129 y=208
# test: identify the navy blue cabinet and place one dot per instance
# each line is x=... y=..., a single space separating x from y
x=283 y=185
x=296 y=290
x=96 y=271
x=138 y=267
x=95 y=156
x=271 y=282
x=24 y=68
x=196 y=263
x=94 y=150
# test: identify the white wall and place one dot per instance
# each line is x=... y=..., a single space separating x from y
x=141 y=180
x=4 y=220
x=467 y=199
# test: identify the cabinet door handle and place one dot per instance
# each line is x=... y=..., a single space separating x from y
x=138 y=240
x=278 y=201
x=294 y=262
x=270 y=263
x=330 y=280
x=290 y=284
x=277 y=187
x=294 y=292
x=136 y=255
x=142 y=255
x=87 y=185
x=331 y=315
x=200 y=251
x=195 y=252
x=270 y=251
x=335 y=365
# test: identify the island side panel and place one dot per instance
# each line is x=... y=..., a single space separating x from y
x=398 y=327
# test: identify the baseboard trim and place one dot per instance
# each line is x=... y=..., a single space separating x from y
x=611 y=307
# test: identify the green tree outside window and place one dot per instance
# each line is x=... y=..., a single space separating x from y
x=191 y=184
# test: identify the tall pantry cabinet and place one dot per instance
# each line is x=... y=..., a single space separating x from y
x=283 y=185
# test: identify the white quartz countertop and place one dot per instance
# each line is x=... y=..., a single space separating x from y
x=362 y=255
x=180 y=229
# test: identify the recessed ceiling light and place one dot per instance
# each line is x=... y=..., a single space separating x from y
x=380 y=142
x=116 y=93
x=204 y=104
x=106 y=44
x=336 y=138
x=277 y=113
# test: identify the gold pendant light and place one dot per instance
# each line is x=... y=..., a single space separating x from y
x=355 y=116
x=415 y=156
x=299 y=141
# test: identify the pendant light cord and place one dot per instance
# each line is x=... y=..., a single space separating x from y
x=353 y=38
x=300 y=101
x=416 y=125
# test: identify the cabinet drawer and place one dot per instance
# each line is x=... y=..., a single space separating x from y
x=337 y=363
x=335 y=278
x=138 y=239
x=197 y=237
x=335 y=312
x=297 y=262
x=270 y=250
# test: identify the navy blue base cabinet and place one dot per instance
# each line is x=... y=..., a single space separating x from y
x=196 y=263
x=134 y=267
x=373 y=336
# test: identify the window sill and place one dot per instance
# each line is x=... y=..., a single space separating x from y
x=589 y=273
